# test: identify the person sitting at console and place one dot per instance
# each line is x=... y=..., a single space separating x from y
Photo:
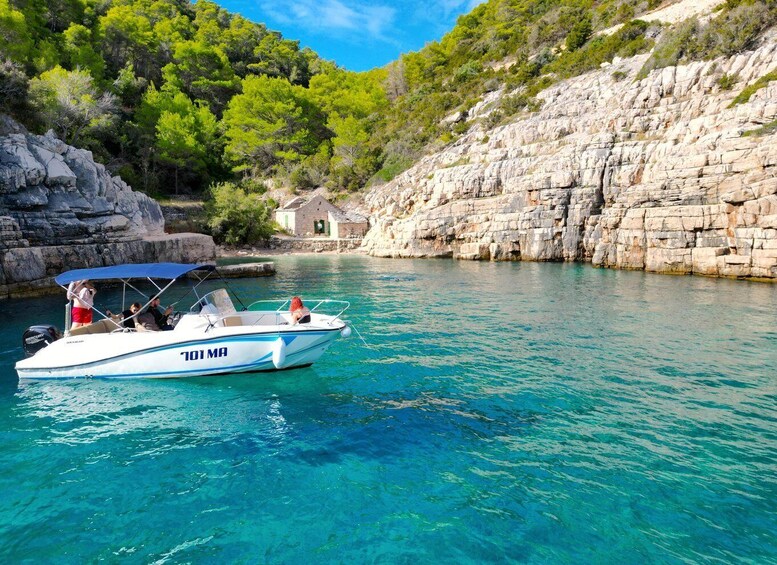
x=160 y=317
x=129 y=315
x=299 y=313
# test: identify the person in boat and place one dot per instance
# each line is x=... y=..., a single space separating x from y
x=299 y=312
x=129 y=315
x=82 y=294
x=160 y=317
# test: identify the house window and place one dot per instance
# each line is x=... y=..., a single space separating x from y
x=319 y=227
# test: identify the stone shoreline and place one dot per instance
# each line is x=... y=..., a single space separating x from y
x=662 y=174
x=294 y=246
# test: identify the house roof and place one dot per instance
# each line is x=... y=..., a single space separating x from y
x=294 y=203
x=341 y=216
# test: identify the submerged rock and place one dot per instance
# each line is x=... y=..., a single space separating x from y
x=247 y=270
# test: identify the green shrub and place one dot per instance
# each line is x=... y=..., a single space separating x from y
x=14 y=87
x=745 y=95
x=624 y=13
x=491 y=84
x=399 y=154
x=673 y=45
x=526 y=71
x=253 y=185
x=494 y=119
x=734 y=30
x=392 y=168
x=727 y=82
x=445 y=138
x=460 y=127
x=236 y=216
x=766 y=129
x=579 y=34
x=525 y=100
x=467 y=71
x=626 y=42
x=515 y=103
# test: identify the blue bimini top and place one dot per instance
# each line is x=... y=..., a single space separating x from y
x=167 y=271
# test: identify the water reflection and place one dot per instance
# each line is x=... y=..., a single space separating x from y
x=198 y=410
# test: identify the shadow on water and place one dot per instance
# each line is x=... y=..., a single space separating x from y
x=299 y=414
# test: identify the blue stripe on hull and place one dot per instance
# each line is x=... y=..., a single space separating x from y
x=264 y=363
x=194 y=343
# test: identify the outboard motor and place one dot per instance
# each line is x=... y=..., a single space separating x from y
x=36 y=338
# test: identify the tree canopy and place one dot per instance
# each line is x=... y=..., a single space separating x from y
x=177 y=95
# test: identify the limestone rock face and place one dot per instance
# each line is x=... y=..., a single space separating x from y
x=653 y=174
x=60 y=210
x=58 y=194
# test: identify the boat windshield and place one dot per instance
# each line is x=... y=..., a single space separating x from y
x=216 y=303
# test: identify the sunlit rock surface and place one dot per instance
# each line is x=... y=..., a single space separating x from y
x=650 y=174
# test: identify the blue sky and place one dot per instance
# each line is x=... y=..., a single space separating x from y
x=356 y=34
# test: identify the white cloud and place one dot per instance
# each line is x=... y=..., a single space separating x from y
x=335 y=16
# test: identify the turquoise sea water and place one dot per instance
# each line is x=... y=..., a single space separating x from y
x=526 y=413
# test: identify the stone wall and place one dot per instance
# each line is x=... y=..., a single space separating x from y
x=651 y=174
x=348 y=230
x=59 y=210
x=314 y=245
x=30 y=271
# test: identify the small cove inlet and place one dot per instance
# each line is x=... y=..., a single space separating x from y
x=503 y=412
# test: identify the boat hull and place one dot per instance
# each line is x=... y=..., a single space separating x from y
x=166 y=355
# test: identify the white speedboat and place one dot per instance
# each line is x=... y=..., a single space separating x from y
x=211 y=338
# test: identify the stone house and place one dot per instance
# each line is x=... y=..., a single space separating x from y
x=347 y=225
x=317 y=217
x=306 y=218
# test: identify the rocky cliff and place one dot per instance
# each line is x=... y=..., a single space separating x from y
x=60 y=210
x=660 y=174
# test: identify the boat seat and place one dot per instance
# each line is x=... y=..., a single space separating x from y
x=230 y=321
x=101 y=327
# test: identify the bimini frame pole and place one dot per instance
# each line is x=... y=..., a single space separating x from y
x=68 y=313
x=200 y=280
x=161 y=291
x=126 y=283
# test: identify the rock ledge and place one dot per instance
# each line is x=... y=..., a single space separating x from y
x=653 y=174
x=60 y=210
